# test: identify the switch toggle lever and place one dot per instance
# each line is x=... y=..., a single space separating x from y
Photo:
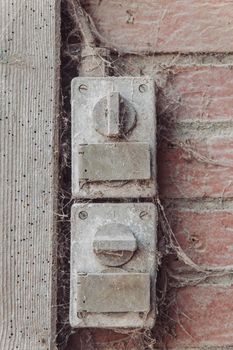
x=114 y=244
x=114 y=116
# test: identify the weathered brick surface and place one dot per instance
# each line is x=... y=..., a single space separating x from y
x=165 y=25
x=206 y=236
x=200 y=172
x=197 y=93
x=204 y=316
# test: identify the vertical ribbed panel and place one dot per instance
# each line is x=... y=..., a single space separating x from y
x=28 y=93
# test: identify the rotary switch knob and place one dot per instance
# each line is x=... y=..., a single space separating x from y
x=114 y=244
x=114 y=116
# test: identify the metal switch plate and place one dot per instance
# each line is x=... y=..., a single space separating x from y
x=104 y=296
x=113 y=137
x=113 y=161
x=113 y=292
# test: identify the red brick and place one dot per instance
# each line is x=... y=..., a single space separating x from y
x=205 y=236
x=204 y=316
x=180 y=175
x=198 y=93
x=165 y=25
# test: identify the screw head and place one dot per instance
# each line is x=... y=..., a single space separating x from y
x=143 y=214
x=82 y=88
x=83 y=215
x=142 y=88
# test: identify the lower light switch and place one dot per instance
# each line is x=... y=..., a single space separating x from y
x=113 y=265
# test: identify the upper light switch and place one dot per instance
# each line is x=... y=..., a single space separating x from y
x=113 y=137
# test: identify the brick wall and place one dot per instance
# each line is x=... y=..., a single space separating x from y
x=190 y=55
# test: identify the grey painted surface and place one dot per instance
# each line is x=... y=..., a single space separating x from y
x=113 y=292
x=113 y=161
